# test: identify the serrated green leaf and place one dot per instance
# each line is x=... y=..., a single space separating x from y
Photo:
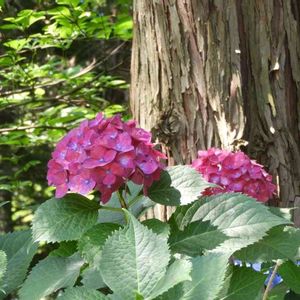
x=133 y=260
x=49 y=275
x=65 y=249
x=282 y=212
x=158 y=227
x=92 y=278
x=178 y=271
x=281 y=242
x=183 y=215
x=3 y=263
x=19 y=249
x=290 y=274
x=240 y=217
x=207 y=274
x=196 y=238
x=80 y=293
x=91 y=243
x=178 y=185
x=64 y=219
x=174 y=293
x=245 y=283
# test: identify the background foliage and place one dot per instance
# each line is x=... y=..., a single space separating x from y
x=60 y=62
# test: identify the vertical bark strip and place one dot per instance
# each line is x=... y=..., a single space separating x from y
x=219 y=73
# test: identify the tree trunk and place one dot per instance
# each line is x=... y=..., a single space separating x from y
x=223 y=74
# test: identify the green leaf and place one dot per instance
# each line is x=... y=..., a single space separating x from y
x=278 y=292
x=137 y=209
x=65 y=249
x=92 y=278
x=243 y=219
x=133 y=260
x=80 y=293
x=207 y=277
x=3 y=263
x=195 y=238
x=158 y=227
x=178 y=185
x=174 y=293
x=49 y=275
x=178 y=272
x=73 y=3
x=282 y=212
x=290 y=274
x=64 y=219
x=91 y=243
x=245 y=283
x=19 y=249
x=16 y=44
x=280 y=243
x=183 y=215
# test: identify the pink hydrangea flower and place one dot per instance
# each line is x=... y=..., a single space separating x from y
x=234 y=172
x=103 y=154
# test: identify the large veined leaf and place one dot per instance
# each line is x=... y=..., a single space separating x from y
x=281 y=242
x=179 y=271
x=3 y=263
x=81 y=293
x=157 y=226
x=290 y=274
x=245 y=283
x=195 y=238
x=133 y=260
x=19 y=249
x=174 y=293
x=92 y=278
x=49 y=275
x=91 y=243
x=183 y=215
x=178 y=185
x=64 y=219
x=241 y=218
x=207 y=277
x=65 y=249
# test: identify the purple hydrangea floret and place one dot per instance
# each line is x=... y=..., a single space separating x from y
x=103 y=154
x=234 y=172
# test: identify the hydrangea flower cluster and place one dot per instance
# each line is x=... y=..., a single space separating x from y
x=234 y=172
x=102 y=154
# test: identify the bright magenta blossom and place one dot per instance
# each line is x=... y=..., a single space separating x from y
x=234 y=172
x=102 y=154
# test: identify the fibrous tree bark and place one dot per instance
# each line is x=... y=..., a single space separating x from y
x=221 y=73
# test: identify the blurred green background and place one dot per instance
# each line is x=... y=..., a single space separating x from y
x=60 y=62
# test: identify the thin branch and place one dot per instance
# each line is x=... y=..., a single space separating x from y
x=21 y=128
x=59 y=98
x=268 y=288
x=89 y=68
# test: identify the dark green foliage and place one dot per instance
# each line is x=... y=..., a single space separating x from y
x=60 y=62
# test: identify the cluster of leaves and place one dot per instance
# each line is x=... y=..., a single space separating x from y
x=59 y=63
x=104 y=252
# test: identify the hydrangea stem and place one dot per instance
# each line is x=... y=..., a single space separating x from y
x=122 y=200
x=268 y=288
x=111 y=208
